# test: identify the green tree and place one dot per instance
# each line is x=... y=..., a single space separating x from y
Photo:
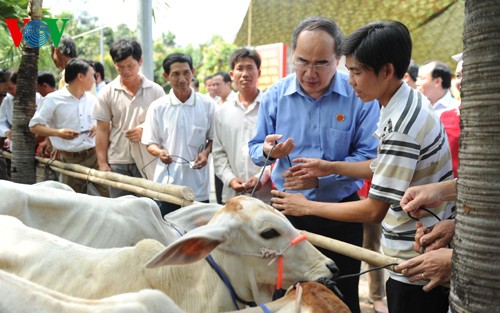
x=23 y=154
x=475 y=283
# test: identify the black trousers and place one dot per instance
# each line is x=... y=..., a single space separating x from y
x=406 y=298
x=167 y=207
x=218 y=189
x=348 y=232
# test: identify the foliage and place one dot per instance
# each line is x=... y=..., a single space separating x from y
x=208 y=58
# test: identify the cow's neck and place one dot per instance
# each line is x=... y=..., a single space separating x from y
x=188 y=284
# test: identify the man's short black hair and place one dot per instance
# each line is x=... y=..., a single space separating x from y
x=319 y=23
x=244 y=53
x=46 y=77
x=74 y=67
x=379 y=43
x=124 y=48
x=207 y=78
x=413 y=70
x=99 y=68
x=225 y=76
x=176 y=57
x=443 y=71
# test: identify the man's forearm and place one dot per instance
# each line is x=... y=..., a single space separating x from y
x=352 y=169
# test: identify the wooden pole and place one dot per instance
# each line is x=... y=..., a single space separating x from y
x=358 y=253
x=181 y=192
x=124 y=186
x=179 y=195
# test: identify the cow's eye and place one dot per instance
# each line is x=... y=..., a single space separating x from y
x=270 y=233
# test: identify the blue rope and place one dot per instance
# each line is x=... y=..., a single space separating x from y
x=264 y=308
x=219 y=272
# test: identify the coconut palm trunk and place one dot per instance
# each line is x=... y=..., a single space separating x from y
x=23 y=154
x=475 y=284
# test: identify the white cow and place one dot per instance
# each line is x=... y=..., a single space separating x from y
x=243 y=238
x=88 y=220
x=193 y=215
x=22 y=296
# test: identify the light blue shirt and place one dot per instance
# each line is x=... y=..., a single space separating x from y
x=338 y=126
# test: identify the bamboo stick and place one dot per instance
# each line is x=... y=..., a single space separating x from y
x=136 y=185
x=358 y=253
x=124 y=186
x=182 y=192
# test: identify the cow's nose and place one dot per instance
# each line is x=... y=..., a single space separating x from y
x=334 y=269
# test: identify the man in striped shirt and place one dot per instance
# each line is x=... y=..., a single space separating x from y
x=413 y=150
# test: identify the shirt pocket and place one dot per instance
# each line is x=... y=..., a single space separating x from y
x=198 y=138
x=336 y=144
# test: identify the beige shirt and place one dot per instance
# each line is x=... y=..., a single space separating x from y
x=126 y=112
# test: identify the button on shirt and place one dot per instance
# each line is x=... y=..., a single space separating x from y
x=337 y=126
x=182 y=129
x=60 y=109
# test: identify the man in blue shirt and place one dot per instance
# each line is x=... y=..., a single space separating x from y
x=314 y=113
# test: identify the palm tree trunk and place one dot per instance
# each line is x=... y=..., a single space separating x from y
x=23 y=154
x=475 y=284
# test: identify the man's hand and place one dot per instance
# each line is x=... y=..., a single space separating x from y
x=439 y=236
x=8 y=134
x=304 y=182
x=201 y=160
x=281 y=149
x=311 y=168
x=251 y=182
x=237 y=184
x=134 y=134
x=165 y=157
x=434 y=266
x=430 y=195
x=66 y=133
x=45 y=148
x=92 y=131
x=294 y=204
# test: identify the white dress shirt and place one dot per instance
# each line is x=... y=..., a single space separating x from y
x=445 y=103
x=183 y=130
x=234 y=126
x=60 y=109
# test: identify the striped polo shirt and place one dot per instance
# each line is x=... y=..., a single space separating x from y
x=413 y=150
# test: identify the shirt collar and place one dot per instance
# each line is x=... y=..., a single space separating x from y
x=175 y=101
x=236 y=101
x=395 y=104
x=65 y=92
x=117 y=84
x=337 y=85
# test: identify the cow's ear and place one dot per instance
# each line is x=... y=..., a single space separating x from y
x=192 y=247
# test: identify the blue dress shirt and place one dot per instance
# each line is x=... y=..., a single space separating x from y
x=338 y=126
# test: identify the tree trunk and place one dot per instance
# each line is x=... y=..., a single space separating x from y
x=23 y=154
x=475 y=284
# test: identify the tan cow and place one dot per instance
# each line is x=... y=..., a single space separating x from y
x=305 y=297
x=246 y=238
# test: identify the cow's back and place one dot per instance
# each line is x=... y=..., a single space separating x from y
x=92 y=221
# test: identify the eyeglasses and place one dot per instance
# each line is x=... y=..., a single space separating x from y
x=318 y=67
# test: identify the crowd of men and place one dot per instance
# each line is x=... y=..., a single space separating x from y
x=307 y=145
